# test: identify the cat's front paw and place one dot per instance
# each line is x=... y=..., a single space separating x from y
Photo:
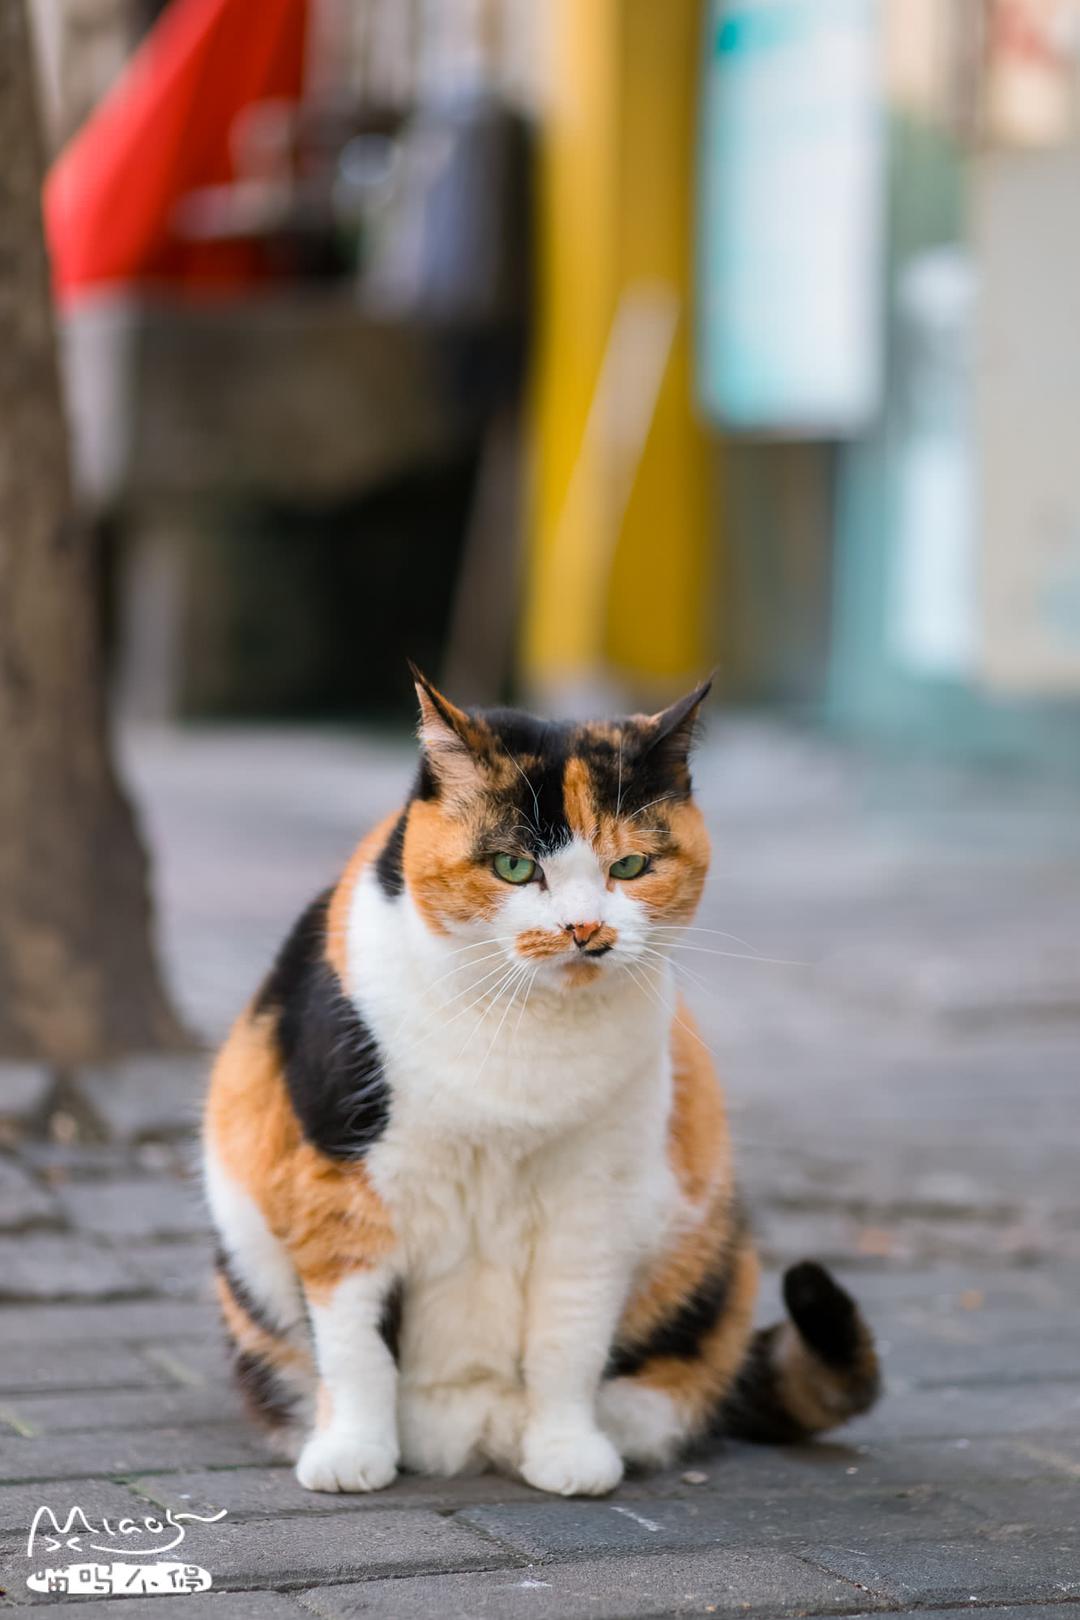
x=570 y=1462
x=334 y=1460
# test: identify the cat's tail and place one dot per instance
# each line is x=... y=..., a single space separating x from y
x=809 y=1373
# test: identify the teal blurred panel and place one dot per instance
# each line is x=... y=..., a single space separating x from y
x=879 y=682
x=791 y=198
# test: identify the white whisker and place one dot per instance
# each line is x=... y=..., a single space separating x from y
x=528 y=784
x=693 y=928
x=736 y=956
x=491 y=1045
x=496 y=994
x=675 y=1019
x=525 y=1003
x=661 y=800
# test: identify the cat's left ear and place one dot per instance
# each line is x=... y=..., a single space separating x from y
x=451 y=740
x=672 y=732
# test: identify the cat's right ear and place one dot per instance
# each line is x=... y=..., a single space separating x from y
x=451 y=741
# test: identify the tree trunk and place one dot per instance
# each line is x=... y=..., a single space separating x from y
x=78 y=977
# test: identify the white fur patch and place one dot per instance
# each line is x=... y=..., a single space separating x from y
x=259 y=1258
x=645 y=1424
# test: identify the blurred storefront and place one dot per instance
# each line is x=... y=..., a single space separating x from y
x=929 y=533
x=957 y=609
x=292 y=253
x=885 y=198
x=805 y=366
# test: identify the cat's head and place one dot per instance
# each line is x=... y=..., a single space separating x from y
x=576 y=848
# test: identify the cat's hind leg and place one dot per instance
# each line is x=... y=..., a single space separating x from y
x=682 y=1342
x=263 y=1314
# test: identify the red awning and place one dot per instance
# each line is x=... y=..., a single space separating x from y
x=161 y=132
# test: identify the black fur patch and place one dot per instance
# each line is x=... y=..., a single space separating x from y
x=426 y=785
x=824 y=1313
x=753 y=1408
x=390 y=1321
x=388 y=867
x=536 y=793
x=681 y=1334
x=266 y=1397
x=332 y=1064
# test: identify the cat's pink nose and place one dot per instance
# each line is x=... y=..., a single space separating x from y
x=583 y=932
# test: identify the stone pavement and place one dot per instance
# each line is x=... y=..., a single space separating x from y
x=901 y=1040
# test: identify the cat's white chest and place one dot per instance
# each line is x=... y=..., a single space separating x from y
x=506 y=1119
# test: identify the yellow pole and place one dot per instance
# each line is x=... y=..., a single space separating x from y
x=619 y=568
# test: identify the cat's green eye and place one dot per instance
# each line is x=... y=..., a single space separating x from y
x=514 y=868
x=631 y=866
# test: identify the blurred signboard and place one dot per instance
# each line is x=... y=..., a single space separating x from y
x=934 y=606
x=1027 y=238
x=1031 y=71
x=791 y=203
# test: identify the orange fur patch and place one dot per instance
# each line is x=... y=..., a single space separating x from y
x=698 y=1384
x=446 y=883
x=672 y=887
x=579 y=800
x=699 y=1142
x=325 y=1211
x=699 y=1149
x=278 y=1353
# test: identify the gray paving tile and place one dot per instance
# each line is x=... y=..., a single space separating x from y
x=143 y=1097
x=950 y=1464
x=963 y=1412
x=343 y=1546
x=159 y=1207
x=178 y=1270
x=25 y=1089
x=19 y=1503
x=191 y=1361
x=1037 y=1508
x=194 y=1606
x=575 y=1529
x=726 y=1582
x=996 y=1356
x=263 y=1491
x=57 y=1414
x=60 y=1163
x=28 y=1368
x=40 y=1266
x=123 y=1322
x=932 y=1572
x=24 y=1202
x=1008 y=1611
x=134 y=1451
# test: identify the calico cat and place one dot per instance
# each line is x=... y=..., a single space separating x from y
x=467 y=1157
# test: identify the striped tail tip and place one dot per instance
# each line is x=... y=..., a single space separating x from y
x=808 y=1374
